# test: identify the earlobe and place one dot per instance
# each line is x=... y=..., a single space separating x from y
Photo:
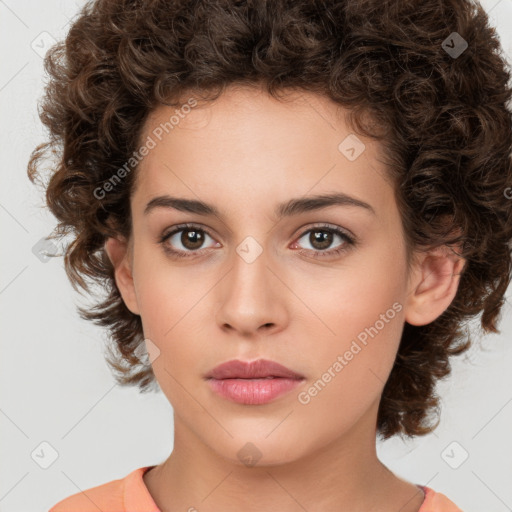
x=434 y=287
x=119 y=255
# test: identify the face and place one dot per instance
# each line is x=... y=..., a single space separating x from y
x=321 y=290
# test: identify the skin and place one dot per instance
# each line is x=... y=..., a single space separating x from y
x=245 y=153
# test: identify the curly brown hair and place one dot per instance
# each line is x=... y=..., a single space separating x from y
x=441 y=116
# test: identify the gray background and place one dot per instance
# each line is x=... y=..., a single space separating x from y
x=57 y=389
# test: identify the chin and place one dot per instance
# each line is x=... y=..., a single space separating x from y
x=255 y=448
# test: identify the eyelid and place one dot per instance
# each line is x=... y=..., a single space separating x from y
x=325 y=225
x=187 y=225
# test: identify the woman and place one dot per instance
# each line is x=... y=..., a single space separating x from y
x=294 y=206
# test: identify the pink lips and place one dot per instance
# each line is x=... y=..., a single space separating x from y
x=253 y=383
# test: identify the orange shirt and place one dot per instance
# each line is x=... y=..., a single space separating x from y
x=130 y=494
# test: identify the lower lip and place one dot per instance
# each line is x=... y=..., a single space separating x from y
x=253 y=391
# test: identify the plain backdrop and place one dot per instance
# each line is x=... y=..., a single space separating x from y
x=66 y=426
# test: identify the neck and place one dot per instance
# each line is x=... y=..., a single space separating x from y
x=344 y=475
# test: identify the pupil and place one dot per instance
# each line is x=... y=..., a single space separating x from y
x=187 y=239
x=322 y=237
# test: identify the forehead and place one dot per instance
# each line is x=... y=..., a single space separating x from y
x=247 y=148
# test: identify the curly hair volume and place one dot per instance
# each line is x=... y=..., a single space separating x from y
x=443 y=119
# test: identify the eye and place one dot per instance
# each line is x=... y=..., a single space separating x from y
x=322 y=236
x=190 y=237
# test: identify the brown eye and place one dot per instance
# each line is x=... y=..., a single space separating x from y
x=192 y=239
x=184 y=240
x=322 y=237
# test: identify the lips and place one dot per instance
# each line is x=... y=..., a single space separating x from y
x=253 y=383
x=259 y=369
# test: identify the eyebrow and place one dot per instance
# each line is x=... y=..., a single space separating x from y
x=292 y=207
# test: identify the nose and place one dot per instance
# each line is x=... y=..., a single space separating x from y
x=252 y=297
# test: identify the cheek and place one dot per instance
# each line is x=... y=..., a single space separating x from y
x=359 y=311
x=173 y=309
x=356 y=356
x=172 y=314
x=166 y=293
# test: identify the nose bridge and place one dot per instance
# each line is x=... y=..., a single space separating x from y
x=250 y=298
x=250 y=274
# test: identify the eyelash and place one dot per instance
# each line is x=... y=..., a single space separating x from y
x=349 y=240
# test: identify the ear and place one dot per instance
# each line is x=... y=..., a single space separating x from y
x=120 y=255
x=434 y=283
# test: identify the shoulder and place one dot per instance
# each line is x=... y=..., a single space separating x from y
x=108 y=497
x=437 y=502
x=102 y=497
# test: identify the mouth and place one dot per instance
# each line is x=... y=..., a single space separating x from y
x=259 y=369
x=253 y=391
x=252 y=383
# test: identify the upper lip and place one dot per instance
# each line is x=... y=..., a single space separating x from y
x=260 y=368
